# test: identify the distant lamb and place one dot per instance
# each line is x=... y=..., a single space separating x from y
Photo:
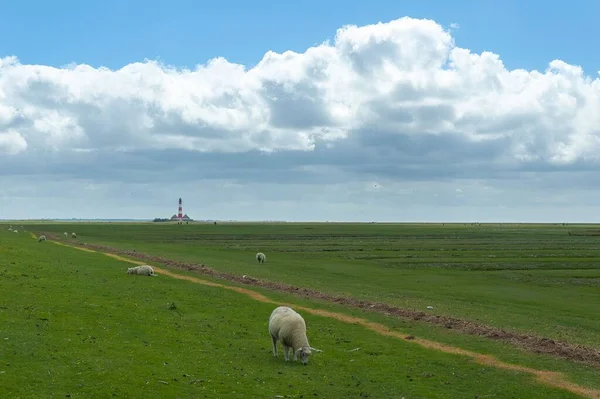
x=16 y=231
x=260 y=257
x=143 y=270
x=10 y=228
x=287 y=326
x=42 y=238
x=73 y=235
x=66 y=234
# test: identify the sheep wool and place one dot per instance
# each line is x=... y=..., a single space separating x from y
x=66 y=234
x=16 y=231
x=287 y=326
x=73 y=235
x=142 y=270
x=42 y=238
x=261 y=258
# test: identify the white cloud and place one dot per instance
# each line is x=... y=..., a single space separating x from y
x=11 y=142
x=381 y=103
x=406 y=77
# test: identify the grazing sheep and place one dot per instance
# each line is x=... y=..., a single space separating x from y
x=287 y=326
x=10 y=228
x=16 y=231
x=73 y=235
x=143 y=270
x=42 y=238
x=66 y=234
x=260 y=257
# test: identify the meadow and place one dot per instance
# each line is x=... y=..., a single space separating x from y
x=73 y=323
x=534 y=279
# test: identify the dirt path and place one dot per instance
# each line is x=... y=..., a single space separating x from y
x=550 y=378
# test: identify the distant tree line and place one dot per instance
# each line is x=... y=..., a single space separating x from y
x=161 y=220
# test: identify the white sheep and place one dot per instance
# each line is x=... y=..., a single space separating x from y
x=10 y=228
x=260 y=257
x=287 y=326
x=143 y=270
x=16 y=231
x=66 y=234
x=73 y=235
x=42 y=238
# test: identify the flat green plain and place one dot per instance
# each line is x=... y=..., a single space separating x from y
x=73 y=323
x=534 y=279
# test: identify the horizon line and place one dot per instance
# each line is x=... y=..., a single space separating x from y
x=151 y=220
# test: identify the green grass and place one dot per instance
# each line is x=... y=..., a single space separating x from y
x=529 y=278
x=73 y=324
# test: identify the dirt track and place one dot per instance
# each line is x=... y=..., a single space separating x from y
x=577 y=353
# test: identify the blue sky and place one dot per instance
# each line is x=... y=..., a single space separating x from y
x=389 y=122
x=114 y=33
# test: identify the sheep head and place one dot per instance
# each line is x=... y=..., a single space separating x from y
x=303 y=353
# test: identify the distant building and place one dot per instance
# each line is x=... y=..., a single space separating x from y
x=184 y=218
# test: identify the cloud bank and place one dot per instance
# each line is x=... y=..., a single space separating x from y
x=381 y=122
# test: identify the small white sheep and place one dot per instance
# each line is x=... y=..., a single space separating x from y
x=287 y=326
x=42 y=238
x=260 y=257
x=66 y=234
x=16 y=231
x=73 y=235
x=142 y=270
x=10 y=228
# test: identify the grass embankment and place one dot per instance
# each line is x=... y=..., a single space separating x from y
x=73 y=323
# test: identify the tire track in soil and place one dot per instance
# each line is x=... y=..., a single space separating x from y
x=550 y=378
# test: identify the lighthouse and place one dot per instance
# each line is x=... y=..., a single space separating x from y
x=180 y=217
x=180 y=212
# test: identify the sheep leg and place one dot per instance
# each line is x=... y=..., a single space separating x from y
x=286 y=353
x=274 y=339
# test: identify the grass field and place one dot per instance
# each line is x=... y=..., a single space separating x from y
x=80 y=326
x=531 y=278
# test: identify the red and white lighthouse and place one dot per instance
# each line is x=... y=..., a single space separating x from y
x=180 y=211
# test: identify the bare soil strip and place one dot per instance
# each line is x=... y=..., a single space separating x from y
x=550 y=378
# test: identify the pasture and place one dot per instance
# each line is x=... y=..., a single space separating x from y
x=73 y=323
x=534 y=279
